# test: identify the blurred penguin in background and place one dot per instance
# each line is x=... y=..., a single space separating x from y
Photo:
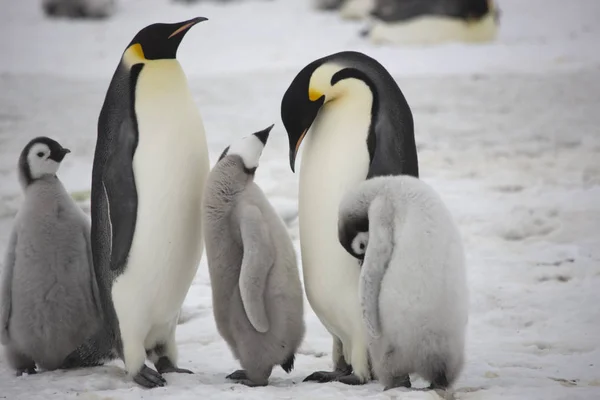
x=93 y=9
x=429 y=22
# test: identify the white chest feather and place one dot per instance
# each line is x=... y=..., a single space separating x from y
x=335 y=158
x=170 y=166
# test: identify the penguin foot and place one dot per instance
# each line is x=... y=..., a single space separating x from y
x=250 y=383
x=238 y=375
x=326 y=376
x=350 y=379
x=165 y=366
x=28 y=371
x=149 y=378
x=400 y=381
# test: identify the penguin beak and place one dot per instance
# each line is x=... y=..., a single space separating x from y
x=59 y=155
x=300 y=120
x=184 y=26
x=294 y=151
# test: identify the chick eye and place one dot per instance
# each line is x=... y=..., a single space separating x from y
x=40 y=154
x=362 y=246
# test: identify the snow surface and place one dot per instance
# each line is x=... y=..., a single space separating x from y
x=508 y=133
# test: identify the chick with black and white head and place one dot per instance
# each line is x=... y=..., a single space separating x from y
x=355 y=124
x=256 y=288
x=150 y=165
x=49 y=301
x=40 y=158
x=413 y=286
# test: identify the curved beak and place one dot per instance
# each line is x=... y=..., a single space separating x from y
x=294 y=150
x=298 y=117
x=185 y=25
x=58 y=155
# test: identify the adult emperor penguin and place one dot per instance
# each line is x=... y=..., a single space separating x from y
x=433 y=21
x=357 y=125
x=150 y=165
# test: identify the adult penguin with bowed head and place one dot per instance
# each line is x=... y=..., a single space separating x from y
x=356 y=124
x=150 y=165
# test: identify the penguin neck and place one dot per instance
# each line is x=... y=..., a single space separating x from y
x=224 y=193
x=26 y=180
x=356 y=97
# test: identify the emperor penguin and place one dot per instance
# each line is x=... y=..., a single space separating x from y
x=150 y=165
x=49 y=300
x=413 y=285
x=256 y=288
x=93 y=9
x=431 y=22
x=356 y=124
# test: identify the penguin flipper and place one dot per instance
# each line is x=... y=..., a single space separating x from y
x=377 y=259
x=93 y=282
x=257 y=261
x=121 y=194
x=6 y=287
x=393 y=152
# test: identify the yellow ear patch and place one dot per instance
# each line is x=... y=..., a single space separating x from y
x=134 y=54
x=314 y=95
x=137 y=50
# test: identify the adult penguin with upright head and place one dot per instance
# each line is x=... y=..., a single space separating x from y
x=150 y=165
x=356 y=124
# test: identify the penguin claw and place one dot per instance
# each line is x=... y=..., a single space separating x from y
x=28 y=371
x=324 y=376
x=149 y=378
x=250 y=383
x=165 y=366
x=237 y=375
x=350 y=379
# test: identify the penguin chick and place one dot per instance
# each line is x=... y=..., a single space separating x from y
x=413 y=290
x=256 y=288
x=48 y=292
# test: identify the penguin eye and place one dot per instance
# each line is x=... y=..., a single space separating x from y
x=40 y=154
x=362 y=246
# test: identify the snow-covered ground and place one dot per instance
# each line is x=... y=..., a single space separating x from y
x=508 y=133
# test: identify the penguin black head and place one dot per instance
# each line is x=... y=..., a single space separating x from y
x=160 y=41
x=353 y=235
x=247 y=150
x=40 y=157
x=320 y=82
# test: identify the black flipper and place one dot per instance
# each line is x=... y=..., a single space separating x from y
x=114 y=196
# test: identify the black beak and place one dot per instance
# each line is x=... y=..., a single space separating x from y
x=298 y=120
x=298 y=112
x=186 y=25
x=263 y=135
x=59 y=155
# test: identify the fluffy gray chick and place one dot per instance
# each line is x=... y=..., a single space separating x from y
x=48 y=293
x=256 y=288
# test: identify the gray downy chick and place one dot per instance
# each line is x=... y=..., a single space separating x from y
x=256 y=288
x=413 y=285
x=48 y=292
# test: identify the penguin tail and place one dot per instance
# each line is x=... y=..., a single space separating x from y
x=288 y=364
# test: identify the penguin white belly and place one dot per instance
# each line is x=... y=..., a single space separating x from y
x=335 y=159
x=170 y=167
